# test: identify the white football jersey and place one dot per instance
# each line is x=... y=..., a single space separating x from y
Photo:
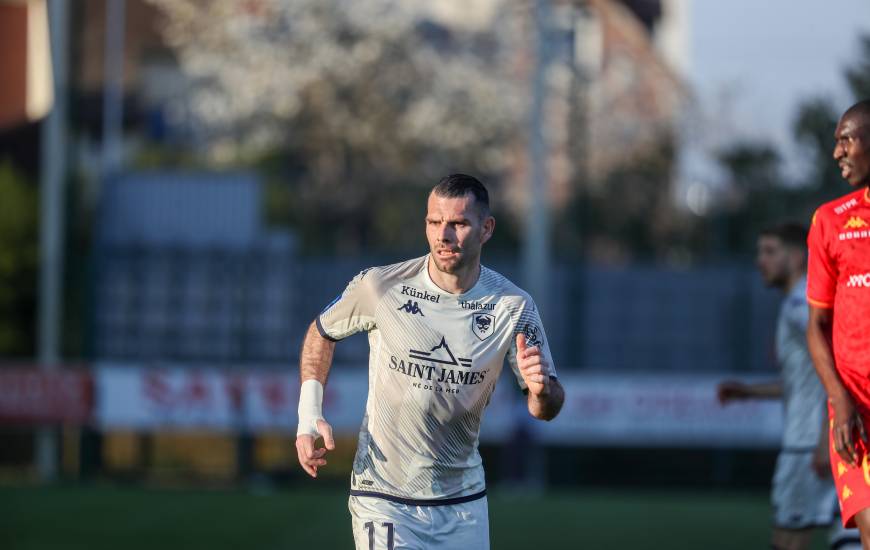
x=433 y=364
x=804 y=398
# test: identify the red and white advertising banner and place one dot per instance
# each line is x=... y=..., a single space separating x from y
x=606 y=410
x=666 y=410
x=28 y=395
x=130 y=397
x=164 y=397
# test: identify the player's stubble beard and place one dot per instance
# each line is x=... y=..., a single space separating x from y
x=464 y=260
x=450 y=266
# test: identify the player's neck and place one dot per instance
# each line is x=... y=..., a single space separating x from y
x=455 y=283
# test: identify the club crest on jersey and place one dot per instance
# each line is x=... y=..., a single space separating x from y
x=481 y=325
x=532 y=335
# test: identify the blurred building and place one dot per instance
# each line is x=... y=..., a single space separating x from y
x=25 y=64
x=25 y=71
x=150 y=76
x=612 y=95
x=634 y=96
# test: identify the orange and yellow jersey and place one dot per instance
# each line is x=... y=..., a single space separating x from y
x=838 y=277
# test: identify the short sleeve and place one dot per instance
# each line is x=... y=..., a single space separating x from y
x=529 y=324
x=352 y=311
x=821 y=271
x=796 y=312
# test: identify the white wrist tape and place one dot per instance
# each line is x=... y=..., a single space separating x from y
x=310 y=407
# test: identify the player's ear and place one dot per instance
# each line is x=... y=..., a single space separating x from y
x=488 y=228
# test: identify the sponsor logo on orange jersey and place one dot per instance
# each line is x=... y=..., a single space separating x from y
x=855 y=223
x=860 y=280
x=845 y=206
x=849 y=235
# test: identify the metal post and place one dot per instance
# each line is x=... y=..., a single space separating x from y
x=113 y=82
x=536 y=248
x=52 y=175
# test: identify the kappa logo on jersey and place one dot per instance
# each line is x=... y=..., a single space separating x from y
x=855 y=223
x=861 y=280
x=532 y=338
x=481 y=325
x=411 y=307
x=440 y=354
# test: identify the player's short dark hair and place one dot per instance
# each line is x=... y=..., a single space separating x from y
x=860 y=110
x=790 y=233
x=459 y=185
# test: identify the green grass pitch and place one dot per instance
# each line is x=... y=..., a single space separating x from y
x=95 y=517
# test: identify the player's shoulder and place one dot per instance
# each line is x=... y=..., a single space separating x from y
x=384 y=276
x=497 y=284
x=841 y=207
x=405 y=268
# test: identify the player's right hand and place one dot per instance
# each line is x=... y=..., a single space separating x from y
x=846 y=424
x=311 y=458
x=729 y=390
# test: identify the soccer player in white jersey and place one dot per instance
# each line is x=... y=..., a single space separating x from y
x=439 y=329
x=803 y=494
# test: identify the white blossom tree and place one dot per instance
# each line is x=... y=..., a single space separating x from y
x=363 y=91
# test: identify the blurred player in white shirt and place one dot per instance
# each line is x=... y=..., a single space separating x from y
x=439 y=329
x=803 y=494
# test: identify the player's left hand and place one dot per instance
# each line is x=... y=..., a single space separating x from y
x=533 y=367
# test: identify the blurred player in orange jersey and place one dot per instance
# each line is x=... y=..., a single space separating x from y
x=803 y=496
x=838 y=334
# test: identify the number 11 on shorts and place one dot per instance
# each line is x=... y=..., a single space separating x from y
x=370 y=526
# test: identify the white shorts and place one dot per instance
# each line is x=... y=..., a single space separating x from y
x=380 y=524
x=800 y=498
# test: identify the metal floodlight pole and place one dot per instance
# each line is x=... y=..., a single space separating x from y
x=536 y=247
x=113 y=81
x=52 y=175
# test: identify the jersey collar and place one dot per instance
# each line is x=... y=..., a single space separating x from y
x=431 y=284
